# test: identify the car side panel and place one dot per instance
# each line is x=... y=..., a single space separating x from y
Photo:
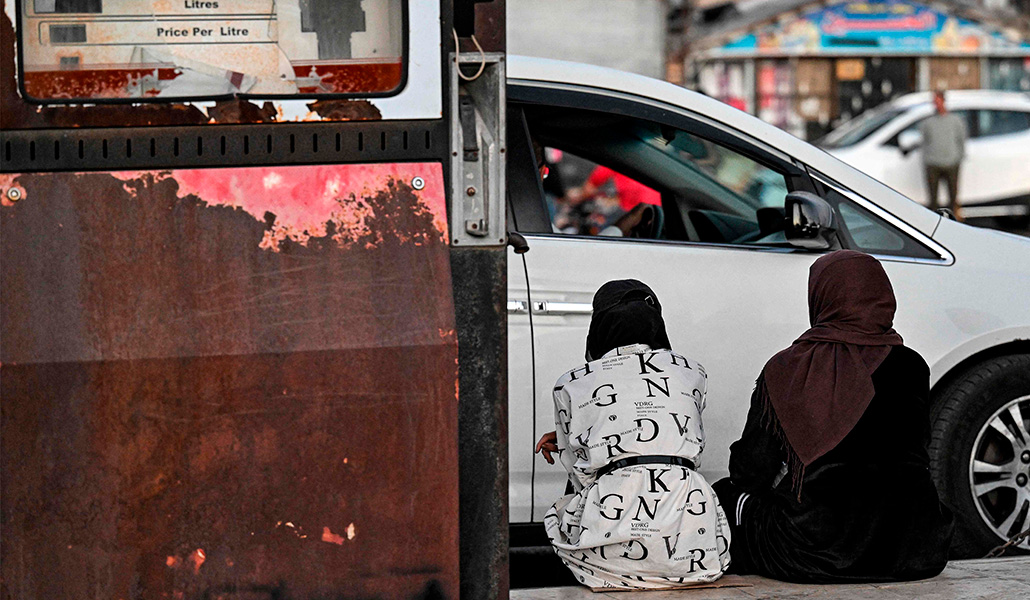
x=728 y=308
x=731 y=309
x=981 y=300
x=520 y=395
x=995 y=168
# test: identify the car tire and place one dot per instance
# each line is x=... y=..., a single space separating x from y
x=974 y=420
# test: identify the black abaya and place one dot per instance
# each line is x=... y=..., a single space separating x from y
x=868 y=508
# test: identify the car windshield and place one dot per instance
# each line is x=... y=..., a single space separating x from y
x=856 y=130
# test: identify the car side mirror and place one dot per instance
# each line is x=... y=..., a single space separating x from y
x=809 y=221
x=909 y=141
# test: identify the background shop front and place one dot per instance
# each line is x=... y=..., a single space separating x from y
x=814 y=65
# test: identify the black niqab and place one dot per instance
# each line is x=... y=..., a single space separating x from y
x=626 y=312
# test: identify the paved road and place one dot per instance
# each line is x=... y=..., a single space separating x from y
x=997 y=579
x=991 y=224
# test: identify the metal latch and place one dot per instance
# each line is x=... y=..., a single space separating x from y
x=477 y=152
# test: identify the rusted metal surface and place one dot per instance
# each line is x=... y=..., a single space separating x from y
x=490 y=25
x=227 y=383
x=242 y=111
x=345 y=110
x=17 y=114
x=480 y=295
x=108 y=83
x=118 y=83
x=378 y=77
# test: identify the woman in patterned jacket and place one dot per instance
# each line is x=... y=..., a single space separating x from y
x=629 y=433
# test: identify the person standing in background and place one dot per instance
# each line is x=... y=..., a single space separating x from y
x=944 y=147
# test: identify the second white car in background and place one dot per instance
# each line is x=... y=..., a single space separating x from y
x=994 y=179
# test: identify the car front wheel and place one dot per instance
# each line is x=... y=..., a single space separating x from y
x=980 y=454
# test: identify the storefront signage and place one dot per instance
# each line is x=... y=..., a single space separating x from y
x=872 y=27
x=850 y=69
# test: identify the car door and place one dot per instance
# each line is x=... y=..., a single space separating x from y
x=520 y=369
x=733 y=293
x=523 y=185
x=904 y=171
x=994 y=167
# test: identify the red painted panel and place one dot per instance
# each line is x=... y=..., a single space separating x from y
x=342 y=78
x=86 y=82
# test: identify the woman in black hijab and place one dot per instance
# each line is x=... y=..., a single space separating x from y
x=830 y=480
x=619 y=321
x=636 y=514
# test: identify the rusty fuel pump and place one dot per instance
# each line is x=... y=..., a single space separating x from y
x=252 y=342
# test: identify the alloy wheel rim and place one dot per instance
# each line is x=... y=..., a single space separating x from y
x=999 y=470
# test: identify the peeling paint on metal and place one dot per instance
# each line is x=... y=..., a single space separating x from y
x=332 y=538
x=197 y=558
x=243 y=111
x=345 y=110
x=10 y=192
x=335 y=201
x=147 y=345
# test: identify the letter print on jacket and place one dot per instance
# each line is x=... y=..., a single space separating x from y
x=649 y=525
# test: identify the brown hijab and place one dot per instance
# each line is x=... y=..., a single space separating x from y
x=815 y=391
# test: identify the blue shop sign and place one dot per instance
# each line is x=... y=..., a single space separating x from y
x=873 y=27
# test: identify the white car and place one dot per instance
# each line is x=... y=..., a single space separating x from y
x=732 y=272
x=994 y=179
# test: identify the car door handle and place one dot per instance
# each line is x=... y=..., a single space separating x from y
x=562 y=308
x=517 y=307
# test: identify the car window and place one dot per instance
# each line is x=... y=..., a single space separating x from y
x=862 y=230
x=741 y=200
x=868 y=234
x=969 y=116
x=858 y=129
x=610 y=165
x=585 y=198
x=1001 y=122
x=749 y=182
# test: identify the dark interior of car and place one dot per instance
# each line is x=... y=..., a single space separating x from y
x=696 y=206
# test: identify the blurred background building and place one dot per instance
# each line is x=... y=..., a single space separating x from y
x=806 y=66
x=802 y=65
x=629 y=35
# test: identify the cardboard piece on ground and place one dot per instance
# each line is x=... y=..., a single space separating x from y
x=726 y=581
